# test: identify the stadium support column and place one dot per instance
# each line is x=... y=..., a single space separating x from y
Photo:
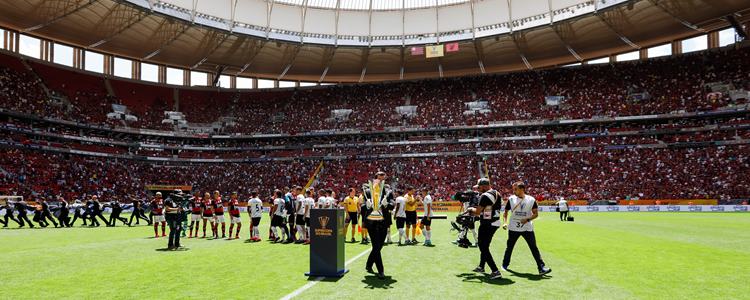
x=136 y=70
x=109 y=61
x=46 y=50
x=676 y=48
x=186 y=77
x=78 y=58
x=713 y=39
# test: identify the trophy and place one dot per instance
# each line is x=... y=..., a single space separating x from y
x=376 y=193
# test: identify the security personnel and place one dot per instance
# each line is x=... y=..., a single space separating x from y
x=96 y=211
x=8 y=214
x=78 y=212
x=63 y=217
x=488 y=210
x=21 y=208
x=172 y=213
x=115 y=214
x=379 y=197
x=46 y=214
x=138 y=214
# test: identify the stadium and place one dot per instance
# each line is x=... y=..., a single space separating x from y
x=374 y=149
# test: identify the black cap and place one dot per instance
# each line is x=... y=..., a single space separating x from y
x=483 y=181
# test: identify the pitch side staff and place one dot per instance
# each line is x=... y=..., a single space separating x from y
x=523 y=209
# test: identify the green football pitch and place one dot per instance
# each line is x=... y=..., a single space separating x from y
x=600 y=256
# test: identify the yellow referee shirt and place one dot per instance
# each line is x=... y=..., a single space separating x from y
x=351 y=204
x=411 y=203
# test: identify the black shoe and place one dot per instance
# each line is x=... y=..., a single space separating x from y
x=381 y=276
x=544 y=270
x=496 y=275
x=353 y=240
x=478 y=270
x=369 y=270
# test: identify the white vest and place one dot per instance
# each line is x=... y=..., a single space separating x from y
x=520 y=209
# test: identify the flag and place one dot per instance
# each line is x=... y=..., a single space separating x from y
x=451 y=47
x=417 y=50
x=434 y=51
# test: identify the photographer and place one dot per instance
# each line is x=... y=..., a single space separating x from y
x=488 y=210
x=172 y=213
x=562 y=207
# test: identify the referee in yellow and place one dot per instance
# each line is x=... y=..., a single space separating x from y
x=351 y=204
x=411 y=216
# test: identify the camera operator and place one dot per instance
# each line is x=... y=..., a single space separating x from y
x=471 y=226
x=488 y=210
x=172 y=213
x=562 y=207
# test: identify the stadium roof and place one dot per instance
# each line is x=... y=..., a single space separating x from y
x=365 y=40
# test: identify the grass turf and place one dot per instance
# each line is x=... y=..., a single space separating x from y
x=600 y=256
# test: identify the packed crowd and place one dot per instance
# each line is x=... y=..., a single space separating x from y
x=672 y=84
x=668 y=173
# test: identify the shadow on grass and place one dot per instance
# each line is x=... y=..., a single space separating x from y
x=324 y=279
x=170 y=250
x=529 y=276
x=483 y=278
x=373 y=282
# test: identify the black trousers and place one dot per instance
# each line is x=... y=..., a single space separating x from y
x=63 y=218
x=77 y=214
x=22 y=218
x=377 y=232
x=484 y=239
x=9 y=216
x=137 y=215
x=563 y=215
x=175 y=228
x=46 y=215
x=116 y=216
x=292 y=228
x=530 y=239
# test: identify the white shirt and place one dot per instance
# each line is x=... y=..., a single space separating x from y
x=279 y=203
x=401 y=203
x=301 y=202
x=255 y=206
x=309 y=204
x=520 y=209
x=563 y=205
x=322 y=202
x=427 y=203
x=331 y=202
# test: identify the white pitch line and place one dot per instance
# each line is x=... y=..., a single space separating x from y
x=315 y=280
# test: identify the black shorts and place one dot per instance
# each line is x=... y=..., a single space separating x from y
x=426 y=221
x=300 y=220
x=290 y=219
x=307 y=221
x=352 y=218
x=277 y=220
x=411 y=218
x=255 y=221
x=400 y=222
x=387 y=219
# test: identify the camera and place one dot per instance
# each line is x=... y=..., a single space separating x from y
x=461 y=224
x=467 y=196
